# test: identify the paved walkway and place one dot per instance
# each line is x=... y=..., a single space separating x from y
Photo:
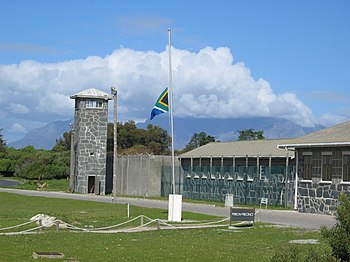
x=285 y=218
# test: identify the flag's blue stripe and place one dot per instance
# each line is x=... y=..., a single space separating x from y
x=156 y=112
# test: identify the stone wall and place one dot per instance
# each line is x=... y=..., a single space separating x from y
x=320 y=198
x=315 y=195
x=90 y=148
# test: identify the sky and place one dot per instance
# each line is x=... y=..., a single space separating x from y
x=286 y=59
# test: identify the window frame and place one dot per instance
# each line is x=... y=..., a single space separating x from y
x=94 y=104
x=307 y=167
x=326 y=167
x=346 y=166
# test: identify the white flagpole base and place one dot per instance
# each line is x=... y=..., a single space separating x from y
x=175 y=208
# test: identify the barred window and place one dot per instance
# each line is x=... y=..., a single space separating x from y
x=307 y=168
x=327 y=167
x=346 y=168
x=93 y=104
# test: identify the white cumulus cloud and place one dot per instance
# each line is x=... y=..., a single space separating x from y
x=17 y=129
x=18 y=108
x=207 y=83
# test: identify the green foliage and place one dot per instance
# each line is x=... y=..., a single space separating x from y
x=45 y=165
x=250 y=134
x=157 y=139
x=286 y=255
x=31 y=163
x=294 y=254
x=64 y=142
x=132 y=139
x=5 y=163
x=197 y=140
x=339 y=236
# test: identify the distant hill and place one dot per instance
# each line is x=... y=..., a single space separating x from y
x=222 y=129
x=226 y=129
x=43 y=137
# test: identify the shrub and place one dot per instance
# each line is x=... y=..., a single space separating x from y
x=294 y=254
x=338 y=236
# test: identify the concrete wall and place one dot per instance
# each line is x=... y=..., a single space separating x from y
x=137 y=175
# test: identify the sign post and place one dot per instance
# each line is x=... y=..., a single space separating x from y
x=238 y=214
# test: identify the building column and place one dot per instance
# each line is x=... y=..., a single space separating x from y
x=211 y=165
x=222 y=167
x=296 y=180
x=191 y=164
x=286 y=181
x=257 y=168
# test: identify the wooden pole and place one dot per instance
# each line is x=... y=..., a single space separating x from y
x=115 y=148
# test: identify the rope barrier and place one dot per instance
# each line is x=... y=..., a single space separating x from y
x=22 y=232
x=159 y=224
x=20 y=225
x=97 y=229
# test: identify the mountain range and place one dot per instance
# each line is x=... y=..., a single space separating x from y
x=184 y=128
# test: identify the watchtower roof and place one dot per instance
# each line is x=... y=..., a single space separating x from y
x=92 y=93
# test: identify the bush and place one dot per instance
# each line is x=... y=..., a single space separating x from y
x=294 y=254
x=338 y=237
x=286 y=255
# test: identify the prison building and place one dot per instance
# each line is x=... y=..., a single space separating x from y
x=88 y=159
x=250 y=170
x=322 y=168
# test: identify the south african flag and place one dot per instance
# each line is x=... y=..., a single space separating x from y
x=162 y=105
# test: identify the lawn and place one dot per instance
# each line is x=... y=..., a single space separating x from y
x=210 y=244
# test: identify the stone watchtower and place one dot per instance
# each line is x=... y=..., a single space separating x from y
x=90 y=142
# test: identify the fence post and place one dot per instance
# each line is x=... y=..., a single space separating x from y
x=57 y=225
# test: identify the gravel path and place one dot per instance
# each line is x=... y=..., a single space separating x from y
x=284 y=218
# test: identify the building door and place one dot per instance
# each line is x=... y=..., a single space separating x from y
x=91 y=184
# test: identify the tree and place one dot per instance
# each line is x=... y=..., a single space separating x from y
x=126 y=134
x=131 y=139
x=64 y=142
x=157 y=139
x=197 y=140
x=250 y=134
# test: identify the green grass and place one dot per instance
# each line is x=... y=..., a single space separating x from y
x=215 y=244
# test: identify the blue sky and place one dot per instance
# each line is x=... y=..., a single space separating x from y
x=288 y=59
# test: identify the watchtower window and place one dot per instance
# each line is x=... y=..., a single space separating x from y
x=93 y=104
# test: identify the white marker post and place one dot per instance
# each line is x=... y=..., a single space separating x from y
x=175 y=201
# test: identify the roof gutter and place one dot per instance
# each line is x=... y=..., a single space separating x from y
x=285 y=146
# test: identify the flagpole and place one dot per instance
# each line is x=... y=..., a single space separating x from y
x=171 y=113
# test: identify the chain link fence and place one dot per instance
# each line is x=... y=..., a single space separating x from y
x=149 y=175
x=247 y=184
